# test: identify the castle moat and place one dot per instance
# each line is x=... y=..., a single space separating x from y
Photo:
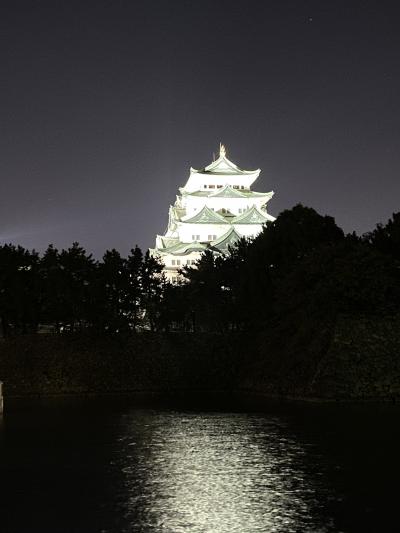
x=105 y=465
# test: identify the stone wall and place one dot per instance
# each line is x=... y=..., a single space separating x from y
x=353 y=359
x=65 y=364
x=362 y=362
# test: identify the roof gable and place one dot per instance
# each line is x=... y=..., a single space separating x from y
x=167 y=241
x=224 y=165
x=184 y=248
x=229 y=238
x=251 y=216
x=256 y=194
x=236 y=193
x=206 y=216
x=227 y=192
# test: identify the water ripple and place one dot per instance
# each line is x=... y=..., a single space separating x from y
x=202 y=473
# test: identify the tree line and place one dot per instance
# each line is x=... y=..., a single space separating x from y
x=300 y=269
x=68 y=290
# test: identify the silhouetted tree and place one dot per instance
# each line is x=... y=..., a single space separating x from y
x=19 y=289
x=110 y=290
x=294 y=235
x=134 y=268
x=51 y=281
x=77 y=271
x=386 y=238
x=347 y=278
x=173 y=309
x=206 y=292
x=152 y=283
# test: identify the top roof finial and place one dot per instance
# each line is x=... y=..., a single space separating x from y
x=222 y=150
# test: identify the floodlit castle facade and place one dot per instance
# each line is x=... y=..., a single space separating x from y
x=215 y=208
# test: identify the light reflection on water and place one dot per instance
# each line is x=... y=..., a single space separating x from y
x=102 y=466
x=216 y=473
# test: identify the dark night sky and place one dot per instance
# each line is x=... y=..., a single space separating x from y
x=105 y=105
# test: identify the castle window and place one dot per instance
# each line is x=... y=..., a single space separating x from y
x=211 y=186
x=178 y=262
x=173 y=262
x=236 y=186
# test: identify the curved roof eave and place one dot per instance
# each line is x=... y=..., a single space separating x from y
x=227 y=237
x=205 y=216
x=185 y=248
x=228 y=192
x=251 y=216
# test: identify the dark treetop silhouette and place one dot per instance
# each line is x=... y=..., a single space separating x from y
x=300 y=266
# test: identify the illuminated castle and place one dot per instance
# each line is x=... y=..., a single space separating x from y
x=214 y=209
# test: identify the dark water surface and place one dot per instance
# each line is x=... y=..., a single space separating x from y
x=105 y=466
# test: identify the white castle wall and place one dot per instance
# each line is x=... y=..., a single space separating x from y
x=236 y=206
x=187 y=231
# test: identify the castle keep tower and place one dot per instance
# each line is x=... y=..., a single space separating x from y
x=215 y=208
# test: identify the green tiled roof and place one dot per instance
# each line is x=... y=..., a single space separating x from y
x=183 y=248
x=227 y=192
x=251 y=216
x=224 y=166
x=260 y=194
x=168 y=241
x=229 y=238
x=195 y=193
x=243 y=193
x=206 y=216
